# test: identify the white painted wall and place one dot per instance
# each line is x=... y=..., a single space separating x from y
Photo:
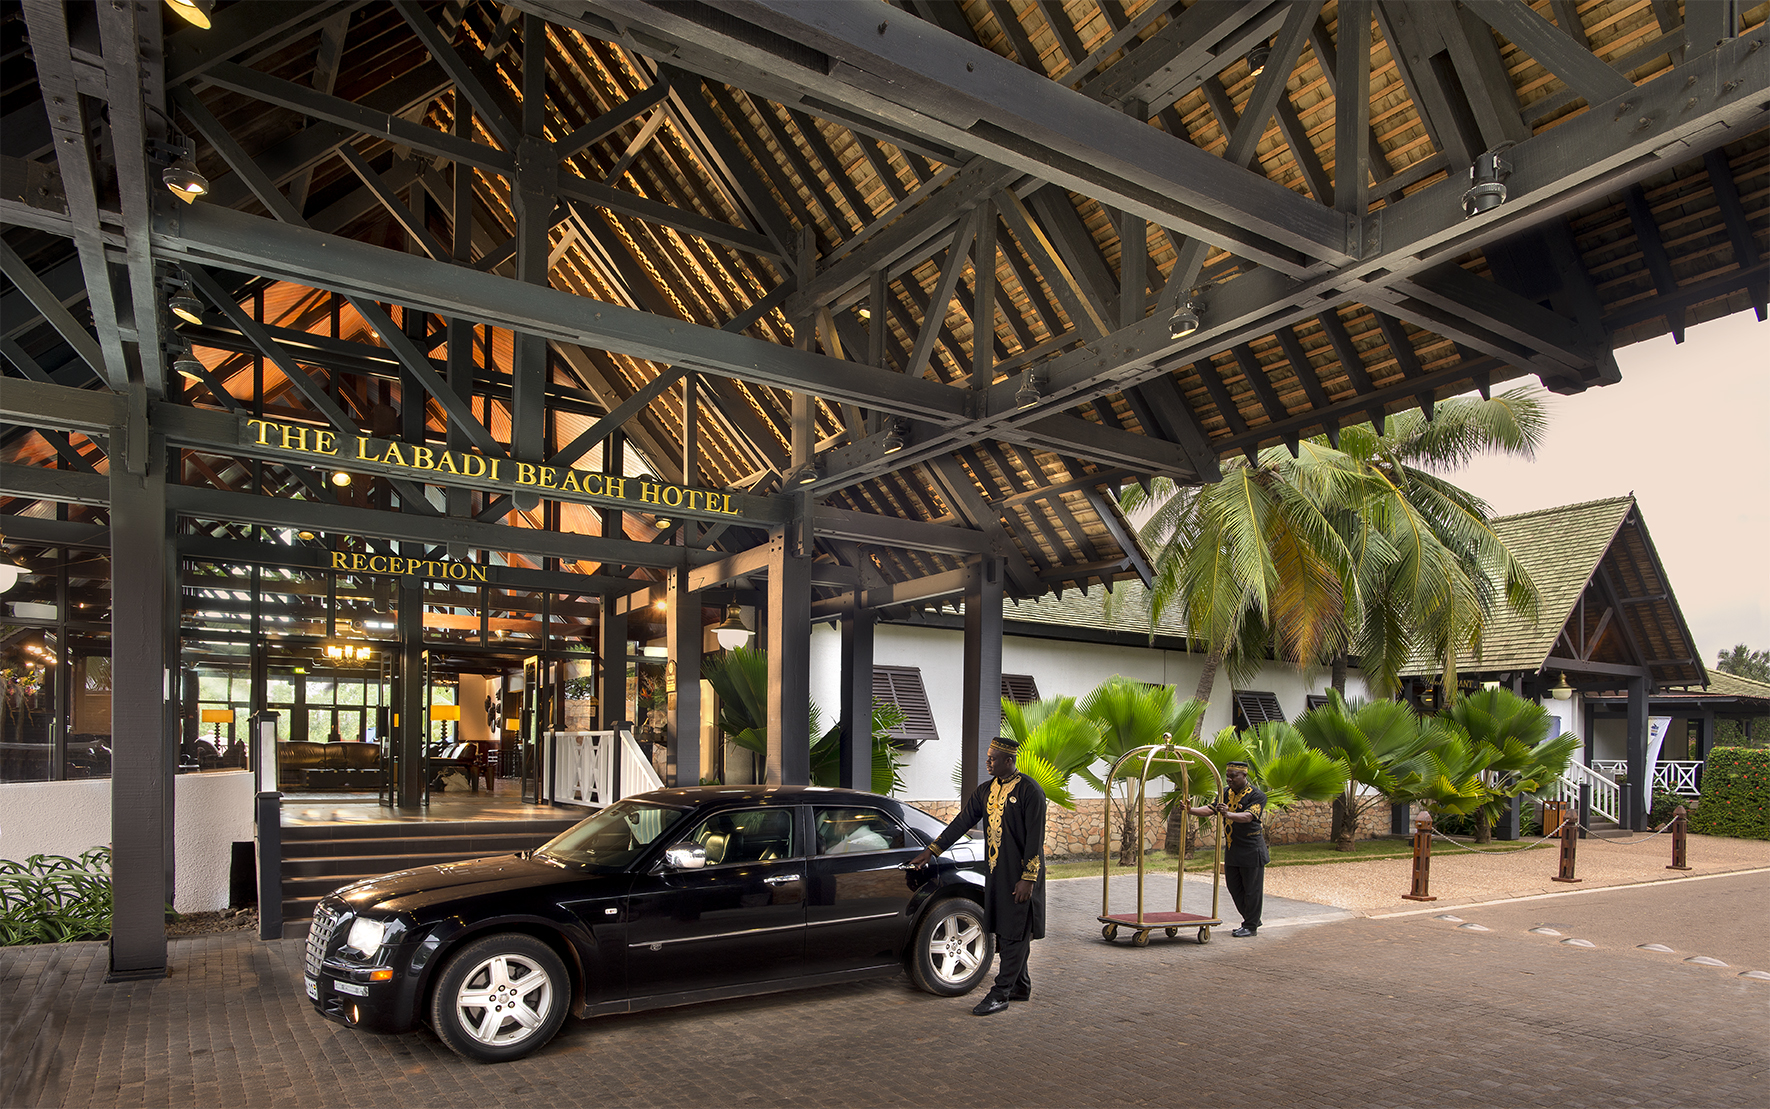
x=213 y=811
x=1062 y=668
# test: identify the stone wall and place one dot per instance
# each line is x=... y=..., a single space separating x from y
x=1079 y=831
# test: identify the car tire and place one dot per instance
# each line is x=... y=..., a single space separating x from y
x=500 y=998
x=951 y=953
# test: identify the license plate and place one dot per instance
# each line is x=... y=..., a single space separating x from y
x=351 y=988
x=313 y=990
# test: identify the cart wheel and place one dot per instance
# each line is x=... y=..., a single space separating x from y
x=1172 y=932
x=1109 y=933
x=1204 y=934
x=1141 y=939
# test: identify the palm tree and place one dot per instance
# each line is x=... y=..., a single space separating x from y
x=1350 y=549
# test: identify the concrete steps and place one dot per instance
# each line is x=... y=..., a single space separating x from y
x=319 y=858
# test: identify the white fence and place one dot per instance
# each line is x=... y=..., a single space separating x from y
x=1677 y=777
x=584 y=764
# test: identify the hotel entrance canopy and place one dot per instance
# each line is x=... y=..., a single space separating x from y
x=879 y=303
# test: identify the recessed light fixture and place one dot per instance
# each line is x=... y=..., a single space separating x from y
x=340 y=478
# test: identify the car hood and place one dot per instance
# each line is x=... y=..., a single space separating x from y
x=408 y=890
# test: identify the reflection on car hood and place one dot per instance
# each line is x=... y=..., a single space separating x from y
x=425 y=885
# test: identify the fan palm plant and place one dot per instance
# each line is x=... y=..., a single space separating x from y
x=1056 y=743
x=1511 y=749
x=1130 y=715
x=1286 y=768
x=1385 y=748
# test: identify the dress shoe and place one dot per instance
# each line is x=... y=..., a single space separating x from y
x=1020 y=995
x=1245 y=932
x=992 y=1002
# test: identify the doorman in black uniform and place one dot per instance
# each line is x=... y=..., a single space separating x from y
x=1014 y=895
x=1245 y=857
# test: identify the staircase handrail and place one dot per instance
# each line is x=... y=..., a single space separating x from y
x=1605 y=794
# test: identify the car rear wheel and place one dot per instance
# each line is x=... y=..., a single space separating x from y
x=952 y=952
x=500 y=998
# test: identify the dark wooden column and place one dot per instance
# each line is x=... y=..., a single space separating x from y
x=1640 y=790
x=683 y=636
x=857 y=697
x=982 y=718
x=409 y=733
x=142 y=750
x=611 y=679
x=789 y=659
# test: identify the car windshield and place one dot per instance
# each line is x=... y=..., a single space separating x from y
x=614 y=837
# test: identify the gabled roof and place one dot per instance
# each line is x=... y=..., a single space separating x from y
x=1605 y=597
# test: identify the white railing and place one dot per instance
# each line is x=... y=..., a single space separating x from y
x=1678 y=777
x=1606 y=797
x=1671 y=776
x=583 y=768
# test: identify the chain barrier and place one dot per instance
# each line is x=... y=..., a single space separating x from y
x=1436 y=834
x=1627 y=842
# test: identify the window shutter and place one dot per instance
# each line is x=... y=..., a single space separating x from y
x=1022 y=689
x=1314 y=701
x=1253 y=707
x=902 y=686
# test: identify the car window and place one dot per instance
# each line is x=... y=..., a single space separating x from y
x=747 y=836
x=849 y=830
x=612 y=838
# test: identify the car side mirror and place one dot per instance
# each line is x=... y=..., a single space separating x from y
x=685 y=856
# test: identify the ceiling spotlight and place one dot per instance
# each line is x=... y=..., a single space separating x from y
x=186 y=307
x=732 y=632
x=184 y=181
x=806 y=474
x=304 y=535
x=194 y=12
x=662 y=522
x=1185 y=320
x=1028 y=394
x=9 y=570
x=188 y=366
x=340 y=478
x=894 y=437
x=1257 y=58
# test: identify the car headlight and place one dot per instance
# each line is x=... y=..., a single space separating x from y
x=366 y=935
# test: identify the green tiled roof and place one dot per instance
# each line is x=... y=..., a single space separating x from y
x=1724 y=684
x=1088 y=610
x=1560 y=549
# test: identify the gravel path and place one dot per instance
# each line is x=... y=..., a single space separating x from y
x=1459 y=877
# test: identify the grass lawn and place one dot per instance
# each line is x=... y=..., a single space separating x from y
x=1289 y=854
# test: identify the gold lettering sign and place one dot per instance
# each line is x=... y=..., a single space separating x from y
x=442 y=466
x=439 y=569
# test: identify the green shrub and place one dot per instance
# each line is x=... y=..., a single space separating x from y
x=1453 y=823
x=1664 y=804
x=1735 y=794
x=55 y=899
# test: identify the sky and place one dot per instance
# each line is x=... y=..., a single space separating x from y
x=1687 y=430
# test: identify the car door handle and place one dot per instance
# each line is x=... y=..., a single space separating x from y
x=778 y=879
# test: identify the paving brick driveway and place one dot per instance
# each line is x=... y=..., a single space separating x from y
x=1405 y=1011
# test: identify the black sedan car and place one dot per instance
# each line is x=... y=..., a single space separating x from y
x=666 y=898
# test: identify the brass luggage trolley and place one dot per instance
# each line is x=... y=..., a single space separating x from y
x=1144 y=923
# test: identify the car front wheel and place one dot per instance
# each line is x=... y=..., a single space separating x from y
x=500 y=998
x=952 y=952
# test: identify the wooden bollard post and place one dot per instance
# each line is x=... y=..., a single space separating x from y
x=1678 y=845
x=1422 y=859
x=1569 y=840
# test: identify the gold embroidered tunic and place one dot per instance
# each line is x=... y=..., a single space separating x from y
x=1013 y=816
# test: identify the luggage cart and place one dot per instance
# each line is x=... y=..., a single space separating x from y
x=1142 y=923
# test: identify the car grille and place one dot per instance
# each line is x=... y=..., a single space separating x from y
x=319 y=936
